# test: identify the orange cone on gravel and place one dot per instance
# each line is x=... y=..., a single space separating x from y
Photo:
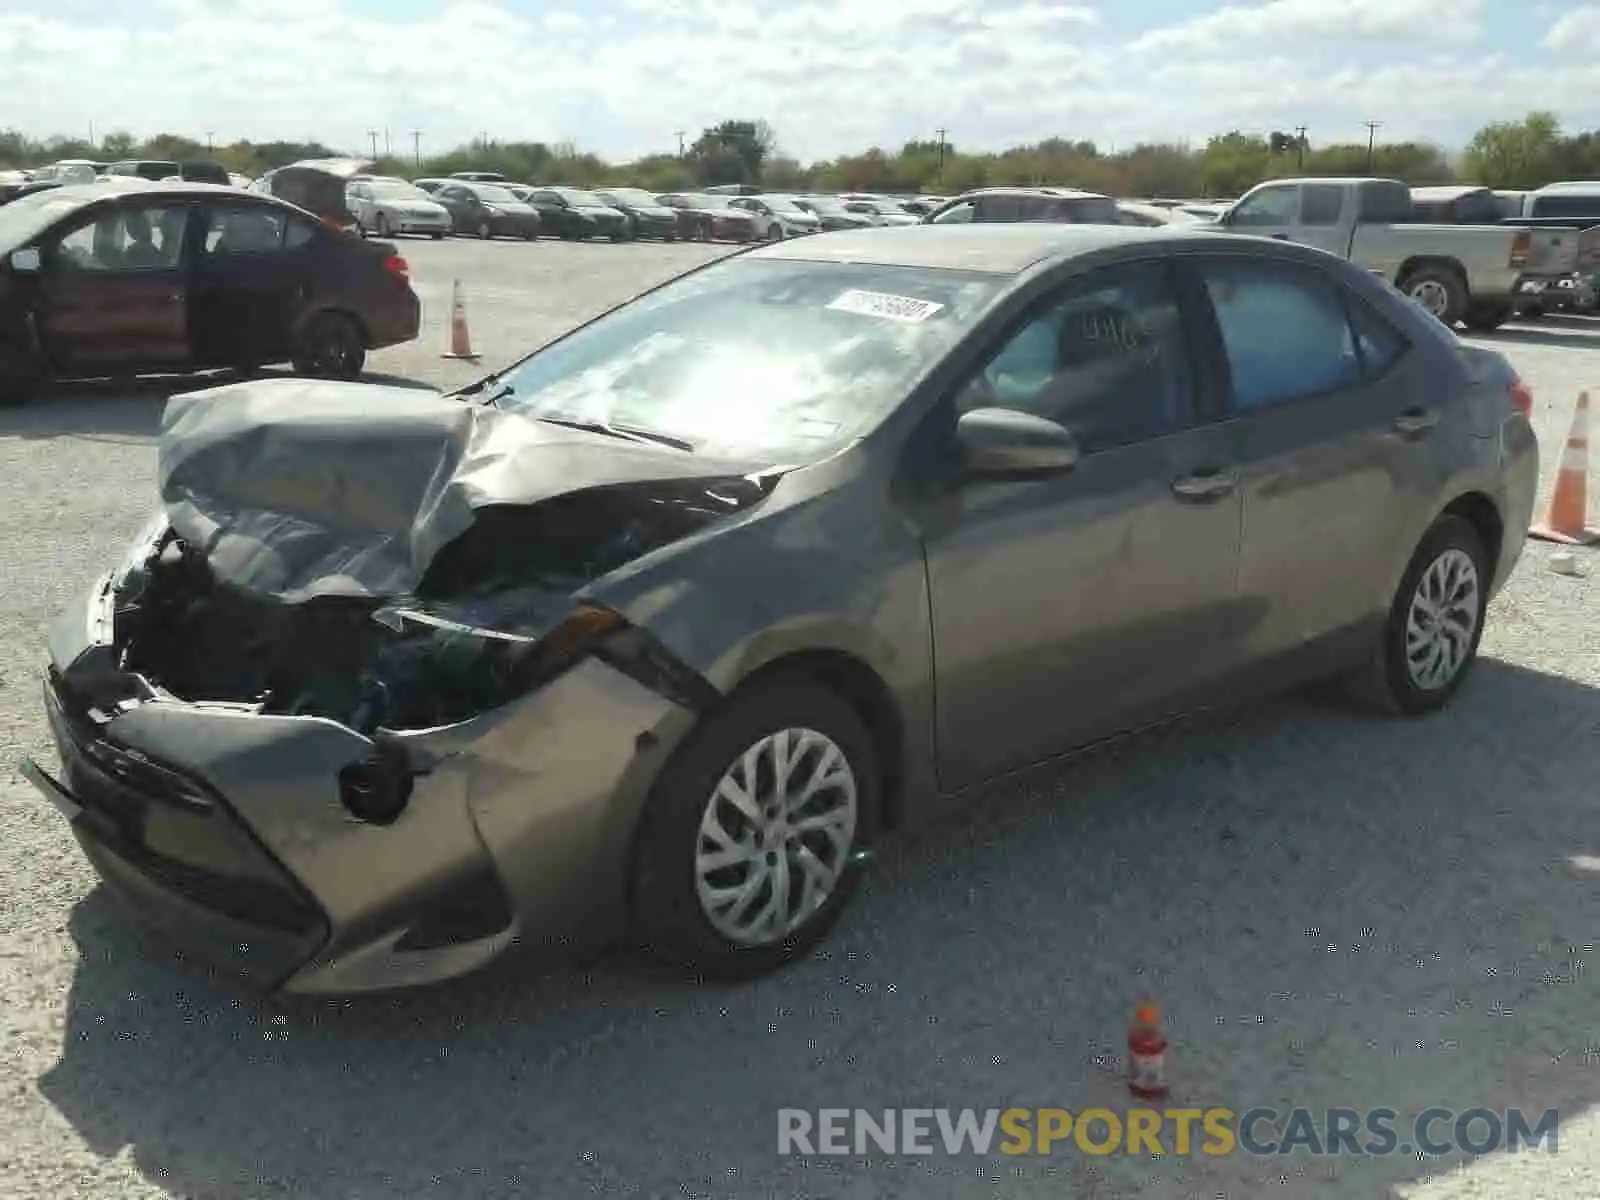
x=460 y=344
x=1567 y=521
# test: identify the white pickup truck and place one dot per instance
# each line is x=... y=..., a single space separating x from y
x=1473 y=274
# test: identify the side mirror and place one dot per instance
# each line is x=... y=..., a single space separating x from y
x=26 y=262
x=1005 y=443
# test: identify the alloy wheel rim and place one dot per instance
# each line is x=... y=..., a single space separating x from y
x=1432 y=296
x=775 y=836
x=1442 y=620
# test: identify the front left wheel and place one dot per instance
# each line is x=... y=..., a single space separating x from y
x=747 y=852
x=1435 y=622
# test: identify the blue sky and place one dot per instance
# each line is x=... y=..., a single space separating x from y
x=832 y=76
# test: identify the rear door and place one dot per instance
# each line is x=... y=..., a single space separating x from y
x=1321 y=220
x=252 y=276
x=1335 y=424
x=113 y=292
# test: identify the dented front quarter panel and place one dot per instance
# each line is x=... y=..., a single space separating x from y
x=824 y=564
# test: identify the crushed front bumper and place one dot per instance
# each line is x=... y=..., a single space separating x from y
x=233 y=833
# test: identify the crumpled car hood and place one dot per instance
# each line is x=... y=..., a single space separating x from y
x=297 y=488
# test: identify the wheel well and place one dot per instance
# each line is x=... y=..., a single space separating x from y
x=1481 y=513
x=865 y=691
x=1412 y=265
x=332 y=310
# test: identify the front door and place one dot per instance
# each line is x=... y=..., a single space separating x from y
x=113 y=291
x=1071 y=608
x=252 y=276
x=1335 y=429
x=1269 y=211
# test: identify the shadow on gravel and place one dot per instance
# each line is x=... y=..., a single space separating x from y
x=124 y=409
x=1336 y=911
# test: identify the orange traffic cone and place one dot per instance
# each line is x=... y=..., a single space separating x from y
x=460 y=343
x=1569 y=503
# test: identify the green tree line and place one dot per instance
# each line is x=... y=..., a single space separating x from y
x=1505 y=154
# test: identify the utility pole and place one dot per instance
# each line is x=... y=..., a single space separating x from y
x=938 y=170
x=1372 y=139
x=416 y=147
x=679 y=134
x=388 y=150
x=1300 y=147
x=372 y=136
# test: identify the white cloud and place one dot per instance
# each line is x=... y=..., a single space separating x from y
x=831 y=76
x=1282 y=22
x=1575 y=32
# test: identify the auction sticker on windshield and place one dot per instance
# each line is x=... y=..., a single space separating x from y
x=881 y=304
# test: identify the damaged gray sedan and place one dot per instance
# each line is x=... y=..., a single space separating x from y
x=662 y=627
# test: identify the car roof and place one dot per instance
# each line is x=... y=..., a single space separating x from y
x=1568 y=185
x=999 y=248
x=1058 y=193
x=1446 y=192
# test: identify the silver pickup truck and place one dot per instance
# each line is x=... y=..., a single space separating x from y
x=1474 y=274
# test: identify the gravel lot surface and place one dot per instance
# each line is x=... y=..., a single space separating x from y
x=1336 y=911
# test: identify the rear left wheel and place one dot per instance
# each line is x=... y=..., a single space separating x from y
x=1435 y=622
x=382 y=226
x=745 y=856
x=330 y=347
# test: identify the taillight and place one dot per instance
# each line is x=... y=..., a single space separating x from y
x=398 y=265
x=1521 y=246
x=1522 y=397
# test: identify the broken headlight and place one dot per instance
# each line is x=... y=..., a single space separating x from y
x=435 y=670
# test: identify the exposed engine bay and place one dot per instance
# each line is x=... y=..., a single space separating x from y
x=492 y=617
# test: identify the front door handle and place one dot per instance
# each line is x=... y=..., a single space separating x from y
x=1415 y=422
x=1205 y=486
x=1280 y=237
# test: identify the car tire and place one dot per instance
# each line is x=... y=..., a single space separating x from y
x=704 y=233
x=330 y=347
x=1485 y=318
x=672 y=888
x=1439 y=290
x=381 y=226
x=438 y=237
x=775 y=232
x=1451 y=561
x=484 y=231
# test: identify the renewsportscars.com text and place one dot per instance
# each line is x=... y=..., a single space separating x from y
x=1170 y=1131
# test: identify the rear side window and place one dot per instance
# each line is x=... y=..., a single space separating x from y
x=1382 y=203
x=1285 y=329
x=999 y=208
x=1377 y=342
x=1320 y=204
x=1576 y=205
x=243 y=230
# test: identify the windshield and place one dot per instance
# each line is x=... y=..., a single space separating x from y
x=759 y=360
x=394 y=189
x=707 y=201
x=825 y=204
x=24 y=219
x=779 y=204
x=490 y=194
x=581 y=198
x=634 y=196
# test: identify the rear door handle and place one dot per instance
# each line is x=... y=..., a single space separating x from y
x=1205 y=486
x=1415 y=422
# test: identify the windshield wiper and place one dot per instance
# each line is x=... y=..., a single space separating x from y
x=631 y=433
